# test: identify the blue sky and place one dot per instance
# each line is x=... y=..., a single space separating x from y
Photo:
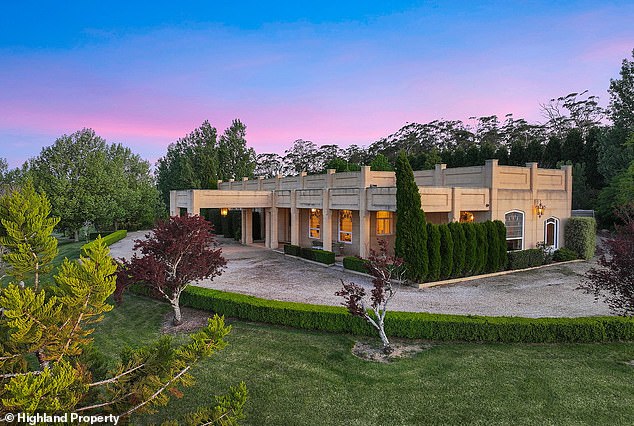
x=144 y=74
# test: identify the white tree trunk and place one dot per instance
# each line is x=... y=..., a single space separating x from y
x=387 y=349
x=178 y=318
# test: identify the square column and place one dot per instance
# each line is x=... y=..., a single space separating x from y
x=273 y=228
x=294 y=219
x=247 y=226
x=364 y=233
x=326 y=221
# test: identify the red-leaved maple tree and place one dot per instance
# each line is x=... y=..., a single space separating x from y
x=386 y=271
x=613 y=280
x=175 y=253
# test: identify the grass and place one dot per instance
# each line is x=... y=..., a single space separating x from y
x=300 y=377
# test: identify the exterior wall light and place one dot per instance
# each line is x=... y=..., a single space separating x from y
x=540 y=208
x=224 y=211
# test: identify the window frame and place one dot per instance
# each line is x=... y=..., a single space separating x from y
x=523 y=228
x=554 y=221
x=389 y=220
x=318 y=213
x=341 y=231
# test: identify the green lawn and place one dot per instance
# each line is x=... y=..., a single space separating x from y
x=298 y=377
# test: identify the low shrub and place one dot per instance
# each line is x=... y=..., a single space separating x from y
x=521 y=259
x=580 y=235
x=355 y=263
x=412 y=325
x=292 y=250
x=564 y=255
x=316 y=255
x=108 y=240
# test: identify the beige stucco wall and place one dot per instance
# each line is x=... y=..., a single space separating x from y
x=487 y=191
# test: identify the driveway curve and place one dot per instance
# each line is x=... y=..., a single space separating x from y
x=254 y=270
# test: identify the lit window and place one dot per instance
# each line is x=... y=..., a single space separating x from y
x=345 y=226
x=466 y=217
x=514 y=221
x=551 y=232
x=314 y=223
x=384 y=221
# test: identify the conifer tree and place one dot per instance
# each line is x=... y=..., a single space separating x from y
x=54 y=325
x=471 y=245
x=482 y=248
x=26 y=233
x=493 y=252
x=501 y=228
x=411 y=230
x=446 y=252
x=459 y=248
x=433 y=250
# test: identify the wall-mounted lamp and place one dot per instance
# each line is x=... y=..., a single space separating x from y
x=224 y=211
x=540 y=208
x=313 y=210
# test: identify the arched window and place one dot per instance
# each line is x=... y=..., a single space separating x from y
x=514 y=222
x=345 y=226
x=551 y=232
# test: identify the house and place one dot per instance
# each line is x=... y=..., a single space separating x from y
x=353 y=210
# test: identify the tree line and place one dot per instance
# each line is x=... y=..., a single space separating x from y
x=106 y=185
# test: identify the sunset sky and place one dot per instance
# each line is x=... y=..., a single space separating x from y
x=332 y=72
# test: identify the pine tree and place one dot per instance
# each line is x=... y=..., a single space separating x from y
x=446 y=252
x=54 y=324
x=433 y=250
x=411 y=230
x=26 y=233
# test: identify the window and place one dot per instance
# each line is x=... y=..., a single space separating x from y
x=551 y=232
x=384 y=223
x=345 y=226
x=466 y=217
x=314 y=223
x=514 y=221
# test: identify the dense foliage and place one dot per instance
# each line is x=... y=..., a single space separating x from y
x=411 y=232
x=107 y=240
x=89 y=180
x=613 y=279
x=580 y=236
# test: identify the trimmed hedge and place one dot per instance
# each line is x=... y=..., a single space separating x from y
x=521 y=259
x=321 y=256
x=482 y=248
x=564 y=255
x=412 y=325
x=355 y=263
x=108 y=239
x=292 y=250
x=501 y=228
x=493 y=253
x=580 y=236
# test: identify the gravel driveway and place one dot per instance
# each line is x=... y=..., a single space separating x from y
x=546 y=292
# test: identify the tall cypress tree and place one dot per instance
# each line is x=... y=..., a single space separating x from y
x=482 y=248
x=459 y=249
x=493 y=253
x=501 y=243
x=471 y=248
x=433 y=250
x=446 y=252
x=411 y=229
